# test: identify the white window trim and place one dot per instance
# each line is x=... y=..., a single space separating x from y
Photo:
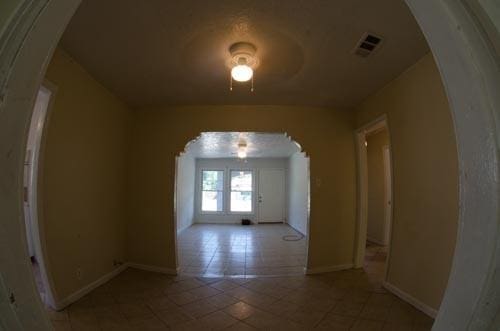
x=200 y=195
x=229 y=212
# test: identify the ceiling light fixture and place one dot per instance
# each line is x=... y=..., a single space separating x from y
x=242 y=73
x=242 y=150
x=243 y=62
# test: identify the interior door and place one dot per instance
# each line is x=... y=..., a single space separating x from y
x=271 y=197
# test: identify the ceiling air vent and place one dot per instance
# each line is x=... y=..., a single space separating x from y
x=367 y=45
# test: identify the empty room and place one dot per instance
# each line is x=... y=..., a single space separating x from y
x=254 y=165
x=242 y=205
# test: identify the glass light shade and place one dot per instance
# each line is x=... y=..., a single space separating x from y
x=242 y=154
x=242 y=73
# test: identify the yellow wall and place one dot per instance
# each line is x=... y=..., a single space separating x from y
x=84 y=177
x=7 y=9
x=160 y=134
x=108 y=191
x=425 y=179
x=376 y=185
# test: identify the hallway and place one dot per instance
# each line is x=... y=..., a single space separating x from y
x=344 y=300
x=375 y=259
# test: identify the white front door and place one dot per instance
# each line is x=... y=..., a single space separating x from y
x=271 y=197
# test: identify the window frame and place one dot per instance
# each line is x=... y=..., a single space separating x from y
x=229 y=191
x=223 y=191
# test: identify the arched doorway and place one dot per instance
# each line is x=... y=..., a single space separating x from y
x=242 y=205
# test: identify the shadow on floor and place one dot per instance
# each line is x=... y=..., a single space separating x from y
x=140 y=300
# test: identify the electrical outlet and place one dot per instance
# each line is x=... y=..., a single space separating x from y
x=79 y=273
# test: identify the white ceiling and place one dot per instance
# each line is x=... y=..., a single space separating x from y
x=166 y=52
x=225 y=145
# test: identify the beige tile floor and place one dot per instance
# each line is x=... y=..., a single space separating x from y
x=375 y=258
x=344 y=300
x=227 y=250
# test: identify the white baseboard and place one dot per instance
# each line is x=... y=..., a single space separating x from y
x=153 y=268
x=296 y=229
x=235 y=222
x=320 y=270
x=183 y=228
x=411 y=300
x=75 y=296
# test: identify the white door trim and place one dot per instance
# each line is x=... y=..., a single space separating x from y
x=386 y=152
x=30 y=35
x=36 y=202
x=469 y=67
x=362 y=189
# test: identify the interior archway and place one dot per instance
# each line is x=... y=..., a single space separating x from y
x=272 y=209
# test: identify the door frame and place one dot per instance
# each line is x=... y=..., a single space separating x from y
x=461 y=35
x=35 y=196
x=387 y=197
x=255 y=179
x=285 y=195
x=29 y=33
x=362 y=189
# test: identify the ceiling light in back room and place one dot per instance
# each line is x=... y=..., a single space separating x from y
x=242 y=150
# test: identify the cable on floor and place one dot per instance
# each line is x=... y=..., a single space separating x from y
x=293 y=237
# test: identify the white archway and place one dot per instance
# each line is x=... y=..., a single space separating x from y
x=469 y=69
x=464 y=39
x=192 y=150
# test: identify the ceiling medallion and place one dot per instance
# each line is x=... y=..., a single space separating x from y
x=243 y=62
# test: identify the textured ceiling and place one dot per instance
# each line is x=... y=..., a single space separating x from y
x=160 y=52
x=225 y=145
